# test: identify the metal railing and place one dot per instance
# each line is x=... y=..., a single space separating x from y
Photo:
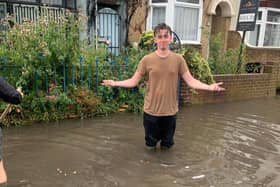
x=66 y=75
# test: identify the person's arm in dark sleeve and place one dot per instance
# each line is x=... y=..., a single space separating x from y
x=8 y=93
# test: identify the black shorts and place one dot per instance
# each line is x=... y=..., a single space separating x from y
x=159 y=128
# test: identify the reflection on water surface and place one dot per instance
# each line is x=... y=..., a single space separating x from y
x=229 y=144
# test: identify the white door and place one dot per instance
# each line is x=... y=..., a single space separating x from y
x=109 y=29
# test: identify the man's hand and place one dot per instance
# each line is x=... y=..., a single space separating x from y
x=108 y=83
x=217 y=87
x=19 y=89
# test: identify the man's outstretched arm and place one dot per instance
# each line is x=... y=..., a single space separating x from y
x=128 y=83
x=196 y=84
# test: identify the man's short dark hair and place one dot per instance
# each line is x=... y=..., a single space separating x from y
x=162 y=26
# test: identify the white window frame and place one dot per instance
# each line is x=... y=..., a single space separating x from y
x=52 y=2
x=5 y=7
x=263 y=22
x=150 y=13
x=170 y=16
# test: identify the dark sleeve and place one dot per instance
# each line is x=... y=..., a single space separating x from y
x=8 y=93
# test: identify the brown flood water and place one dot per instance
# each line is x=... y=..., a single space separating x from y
x=216 y=145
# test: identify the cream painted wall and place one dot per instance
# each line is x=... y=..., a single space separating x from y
x=230 y=8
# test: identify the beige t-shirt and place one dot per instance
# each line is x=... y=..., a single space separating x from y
x=162 y=76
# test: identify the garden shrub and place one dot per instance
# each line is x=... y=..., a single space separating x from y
x=42 y=51
x=147 y=40
x=224 y=61
x=198 y=66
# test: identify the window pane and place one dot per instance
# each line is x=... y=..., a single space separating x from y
x=159 y=1
x=158 y=16
x=33 y=1
x=186 y=23
x=272 y=36
x=254 y=36
x=259 y=17
x=70 y=4
x=2 y=11
x=189 y=1
x=52 y=2
x=273 y=16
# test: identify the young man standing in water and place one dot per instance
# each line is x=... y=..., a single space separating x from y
x=161 y=70
x=10 y=95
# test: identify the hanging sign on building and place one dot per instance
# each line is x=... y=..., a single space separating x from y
x=247 y=16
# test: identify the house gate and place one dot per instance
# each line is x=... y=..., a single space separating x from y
x=109 y=29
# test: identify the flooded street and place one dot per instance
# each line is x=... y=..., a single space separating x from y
x=216 y=145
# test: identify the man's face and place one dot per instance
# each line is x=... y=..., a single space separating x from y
x=162 y=39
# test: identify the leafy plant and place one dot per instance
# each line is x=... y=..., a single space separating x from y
x=147 y=40
x=40 y=48
x=198 y=66
x=85 y=102
x=223 y=61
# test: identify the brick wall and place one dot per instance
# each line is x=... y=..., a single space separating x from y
x=262 y=54
x=238 y=87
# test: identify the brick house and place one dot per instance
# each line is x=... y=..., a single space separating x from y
x=264 y=42
x=118 y=22
x=121 y=21
x=196 y=20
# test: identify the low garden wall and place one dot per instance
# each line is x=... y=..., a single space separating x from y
x=238 y=87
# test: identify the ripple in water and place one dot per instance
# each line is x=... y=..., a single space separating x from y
x=229 y=144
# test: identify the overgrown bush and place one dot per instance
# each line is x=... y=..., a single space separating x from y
x=123 y=68
x=146 y=40
x=41 y=49
x=198 y=66
x=223 y=61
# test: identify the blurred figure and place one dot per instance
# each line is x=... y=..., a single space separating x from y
x=10 y=95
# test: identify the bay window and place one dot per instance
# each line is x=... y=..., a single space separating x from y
x=158 y=15
x=267 y=29
x=183 y=16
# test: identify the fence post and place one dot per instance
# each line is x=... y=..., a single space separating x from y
x=126 y=65
x=119 y=71
x=73 y=74
x=112 y=66
x=64 y=77
x=81 y=70
x=96 y=73
x=89 y=75
x=36 y=85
